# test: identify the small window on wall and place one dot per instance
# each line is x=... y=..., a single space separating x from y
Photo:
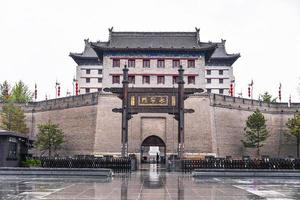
x=146 y=63
x=99 y=71
x=220 y=72
x=88 y=71
x=191 y=79
x=208 y=90
x=146 y=79
x=12 y=149
x=175 y=79
x=160 y=80
x=176 y=63
x=208 y=72
x=87 y=80
x=131 y=63
x=99 y=80
x=191 y=63
x=115 y=79
x=208 y=80
x=99 y=89
x=116 y=62
x=131 y=79
x=221 y=80
x=160 y=63
x=221 y=91
x=87 y=90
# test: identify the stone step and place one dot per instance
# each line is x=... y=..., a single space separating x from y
x=97 y=172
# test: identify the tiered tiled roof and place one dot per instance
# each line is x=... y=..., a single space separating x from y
x=215 y=53
x=221 y=57
x=154 y=41
x=88 y=56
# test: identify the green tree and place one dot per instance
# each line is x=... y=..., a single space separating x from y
x=5 y=92
x=255 y=131
x=266 y=97
x=13 y=118
x=50 y=137
x=293 y=125
x=20 y=93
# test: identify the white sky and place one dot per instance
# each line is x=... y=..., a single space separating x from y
x=36 y=36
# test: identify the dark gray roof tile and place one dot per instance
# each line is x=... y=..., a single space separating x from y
x=88 y=51
x=220 y=51
x=153 y=40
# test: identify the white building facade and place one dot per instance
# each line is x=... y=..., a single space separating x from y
x=153 y=59
x=89 y=70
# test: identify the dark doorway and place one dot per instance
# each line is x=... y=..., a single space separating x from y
x=153 y=150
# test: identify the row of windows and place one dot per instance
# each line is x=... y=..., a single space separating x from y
x=221 y=80
x=160 y=63
x=88 y=71
x=88 y=90
x=132 y=79
x=146 y=79
x=221 y=91
x=88 y=80
x=208 y=72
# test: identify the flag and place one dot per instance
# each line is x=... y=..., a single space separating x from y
x=251 y=84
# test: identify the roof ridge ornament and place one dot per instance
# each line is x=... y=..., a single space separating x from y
x=110 y=32
x=197 y=34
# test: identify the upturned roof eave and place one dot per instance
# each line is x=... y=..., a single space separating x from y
x=80 y=55
x=227 y=56
x=232 y=59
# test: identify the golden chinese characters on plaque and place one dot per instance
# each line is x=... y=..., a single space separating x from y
x=153 y=101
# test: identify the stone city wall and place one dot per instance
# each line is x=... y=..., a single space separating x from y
x=229 y=114
x=216 y=126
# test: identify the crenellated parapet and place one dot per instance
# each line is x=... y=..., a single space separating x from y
x=251 y=105
x=62 y=103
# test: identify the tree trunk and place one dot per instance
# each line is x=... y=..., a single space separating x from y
x=258 y=150
x=298 y=142
x=49 y=152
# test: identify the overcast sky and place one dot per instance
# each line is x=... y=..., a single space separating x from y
x=36 y=36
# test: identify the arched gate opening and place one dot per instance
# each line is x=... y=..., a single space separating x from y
x=153 y=150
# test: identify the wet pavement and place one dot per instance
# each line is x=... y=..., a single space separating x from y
x=151 y=183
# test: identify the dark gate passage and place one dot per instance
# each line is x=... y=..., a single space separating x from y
x=153 y=100
x=153 y=150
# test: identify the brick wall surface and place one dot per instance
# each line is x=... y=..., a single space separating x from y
x=216 y=126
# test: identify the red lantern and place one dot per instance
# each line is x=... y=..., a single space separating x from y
x=76 y=87
x=58 y=91
x=249 y=91
x=279 y=92
x=35 y=91
x=231 y=89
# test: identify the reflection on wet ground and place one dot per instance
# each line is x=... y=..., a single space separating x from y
x=147 y=184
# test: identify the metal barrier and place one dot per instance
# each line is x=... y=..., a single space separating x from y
x=222 y=163
x=116 y=164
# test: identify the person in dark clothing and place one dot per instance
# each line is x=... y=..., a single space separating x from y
x=157 y=157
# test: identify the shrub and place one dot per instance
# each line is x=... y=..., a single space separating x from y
x=31 y=163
